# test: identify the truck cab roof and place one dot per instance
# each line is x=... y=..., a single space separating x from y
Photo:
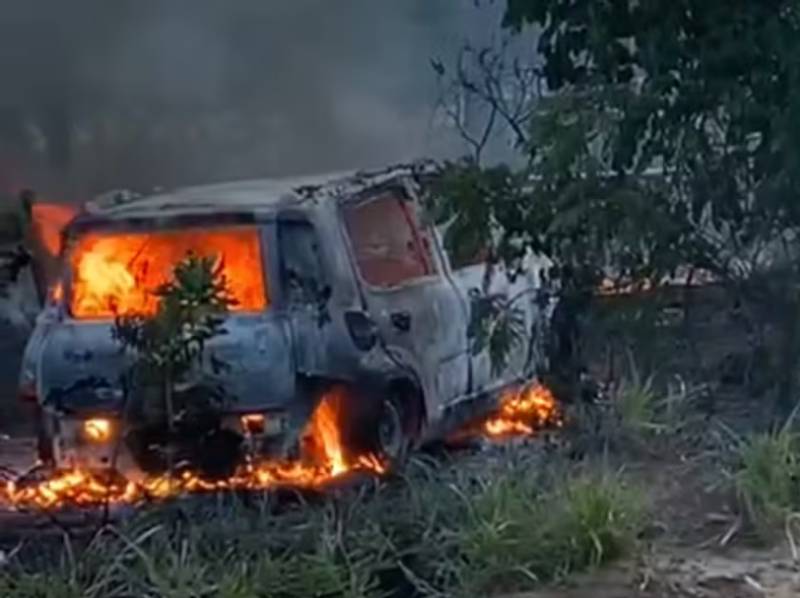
x=257 y=198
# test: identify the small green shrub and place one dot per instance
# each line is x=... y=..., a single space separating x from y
x=643 y=407
x=768 y=477
x=518 y=538
x=636 y=402
x=602 y=517
x=173 y=395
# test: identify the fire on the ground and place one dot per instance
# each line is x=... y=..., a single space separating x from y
x=522 y=412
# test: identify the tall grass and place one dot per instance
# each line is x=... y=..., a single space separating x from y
x=518 y=538
x=637 y=404
x=768 y=477
x=440 y=532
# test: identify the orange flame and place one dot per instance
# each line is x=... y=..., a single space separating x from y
x=682 y=277
x=57 y=292
x=43 y=239
x=324 y=459
x=325 y=438
x=49 y=220
x=522 y=412
x=609 y=286
x=116 y=274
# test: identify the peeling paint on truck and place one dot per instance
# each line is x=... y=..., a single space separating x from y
x=361 y=292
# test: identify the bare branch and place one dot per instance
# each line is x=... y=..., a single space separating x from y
x=503 y=87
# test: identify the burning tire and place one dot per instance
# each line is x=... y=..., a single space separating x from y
x=383 y=422
x=44 y=440
x=397 y=426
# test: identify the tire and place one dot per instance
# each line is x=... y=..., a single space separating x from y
x=391 y=432
x=383 y=421
x=397 y=427
x=44 y=441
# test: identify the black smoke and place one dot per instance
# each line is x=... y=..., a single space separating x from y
x=100 y=94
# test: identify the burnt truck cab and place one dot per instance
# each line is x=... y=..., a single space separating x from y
x=337 y=281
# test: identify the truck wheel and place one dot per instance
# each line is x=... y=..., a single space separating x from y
x=398 y=426
x=392 y=438
x=44 y=442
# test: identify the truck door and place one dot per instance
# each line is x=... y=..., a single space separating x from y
x=416 y=308
x=304 y=291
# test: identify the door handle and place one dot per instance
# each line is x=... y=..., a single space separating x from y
x=401 y=320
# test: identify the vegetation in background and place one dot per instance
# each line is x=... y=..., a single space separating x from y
x=663 y=135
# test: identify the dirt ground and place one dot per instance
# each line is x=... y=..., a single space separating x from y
x=698 y=553
x=690 y=574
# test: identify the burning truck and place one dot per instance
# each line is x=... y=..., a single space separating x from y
x=341 y=291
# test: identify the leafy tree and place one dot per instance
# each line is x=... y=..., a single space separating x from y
x=171 y=394
x=668 y=135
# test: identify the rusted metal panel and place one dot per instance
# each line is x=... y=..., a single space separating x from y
x=255 y=349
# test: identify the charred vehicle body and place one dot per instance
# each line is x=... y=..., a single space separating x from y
x=337 y=281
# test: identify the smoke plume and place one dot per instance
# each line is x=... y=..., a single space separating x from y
x=143 y=93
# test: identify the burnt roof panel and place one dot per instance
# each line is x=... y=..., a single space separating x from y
x=246 y=200
x=264 y=195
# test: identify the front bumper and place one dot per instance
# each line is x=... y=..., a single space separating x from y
x=100 y=442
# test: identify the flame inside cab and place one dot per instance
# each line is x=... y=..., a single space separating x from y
x=117 y=273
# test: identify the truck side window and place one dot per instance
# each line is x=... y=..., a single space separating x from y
x=302 y=277
x=390 y=247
